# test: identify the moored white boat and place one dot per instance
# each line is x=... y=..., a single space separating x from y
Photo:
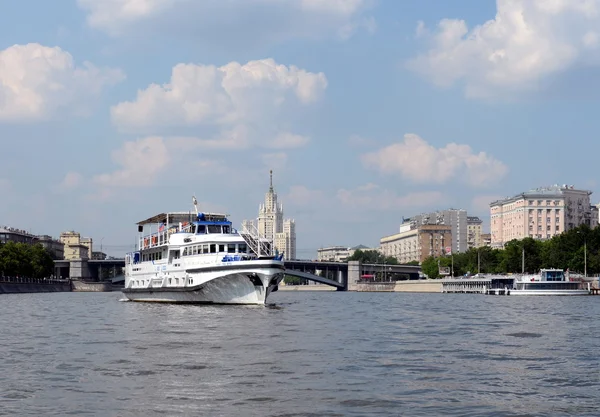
x=549 y=282
x=200 y=259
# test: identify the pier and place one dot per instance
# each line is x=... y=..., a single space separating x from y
x=498 y=285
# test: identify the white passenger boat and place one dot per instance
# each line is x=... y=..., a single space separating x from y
x=549 y=282
x=200 y=258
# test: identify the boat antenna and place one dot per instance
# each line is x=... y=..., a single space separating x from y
x=195 y=202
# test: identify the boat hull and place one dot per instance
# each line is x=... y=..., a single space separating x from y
x=550 y=292
x=235 y=287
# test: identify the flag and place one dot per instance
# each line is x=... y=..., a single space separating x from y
x=161 y=227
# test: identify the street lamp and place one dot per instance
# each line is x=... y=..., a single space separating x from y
x=100 y=277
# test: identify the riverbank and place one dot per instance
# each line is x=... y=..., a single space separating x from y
x=420 y=286
x=13 y=285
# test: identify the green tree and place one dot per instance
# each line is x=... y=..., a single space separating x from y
x=21 y=259
x=290 y=280
x=372 y=257
x=430 y=267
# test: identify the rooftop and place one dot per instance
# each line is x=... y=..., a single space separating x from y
x=8 y=229
x=180 y=217
x=545 y=191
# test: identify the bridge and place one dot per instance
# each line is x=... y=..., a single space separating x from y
x=336 y=274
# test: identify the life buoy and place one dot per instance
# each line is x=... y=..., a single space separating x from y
x=154 y=240
x=145 y=243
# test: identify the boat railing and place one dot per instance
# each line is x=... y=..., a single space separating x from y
x=161 y=237
x=258 y=245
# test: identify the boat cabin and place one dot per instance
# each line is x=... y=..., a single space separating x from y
x=550 y=275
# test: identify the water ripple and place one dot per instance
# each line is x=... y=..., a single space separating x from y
x=306 y=354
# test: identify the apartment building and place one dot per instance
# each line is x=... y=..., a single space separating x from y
x=417 y=242
x=474 y=231
x=338 y=253
x=541 y=213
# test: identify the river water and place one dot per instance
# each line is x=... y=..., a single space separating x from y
x=307 y=354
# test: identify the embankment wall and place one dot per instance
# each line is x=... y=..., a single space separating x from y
x=22 y=288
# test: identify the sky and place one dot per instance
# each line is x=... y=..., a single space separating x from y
x=367 y=111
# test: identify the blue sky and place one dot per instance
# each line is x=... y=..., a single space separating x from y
x=366 y=110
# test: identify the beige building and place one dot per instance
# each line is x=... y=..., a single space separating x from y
x=285 y=241
x=75 y=247
x=474 y=230
x=339 y=253
x=417 y=243
x=271 y=225
x=541 y=213
x=486 y=239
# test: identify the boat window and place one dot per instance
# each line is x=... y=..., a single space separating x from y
x=221 y=248
x=185 y=251
x=242 y=248
x=214 y=228
x=226 y=229
x=213 y=248
x=201 y=229
x=204 y=248
x=231 y=248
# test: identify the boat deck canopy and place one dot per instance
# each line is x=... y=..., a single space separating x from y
x=181 y=217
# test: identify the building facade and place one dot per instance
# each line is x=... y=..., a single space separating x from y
x=541 y=213
x=486 y=239
x=271 y=225
x=75 y=247
x=417 y=242
x=12 y=234
x=339 y=253
x=455 y=218
x=474 y=231
x=285 y=241
x=55 y=247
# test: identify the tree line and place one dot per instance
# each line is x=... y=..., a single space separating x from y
x=565 y=251
x=25 y=260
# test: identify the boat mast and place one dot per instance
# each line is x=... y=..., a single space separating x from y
x=195 y=202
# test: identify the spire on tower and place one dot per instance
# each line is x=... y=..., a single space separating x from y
x=271 y=181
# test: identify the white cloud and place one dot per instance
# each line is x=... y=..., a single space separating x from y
x=246 y=104
x=233 y=93
x=286 y=140
x=302 y=196
x=345 y=202
x=373 y=197
x=139 y=162
x=526 y=42
x=70 y=181
x=36 y=82
x=297 y=18
x=415 y=159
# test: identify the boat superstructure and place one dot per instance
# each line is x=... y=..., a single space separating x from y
x=194 y=257
x=549 y=282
